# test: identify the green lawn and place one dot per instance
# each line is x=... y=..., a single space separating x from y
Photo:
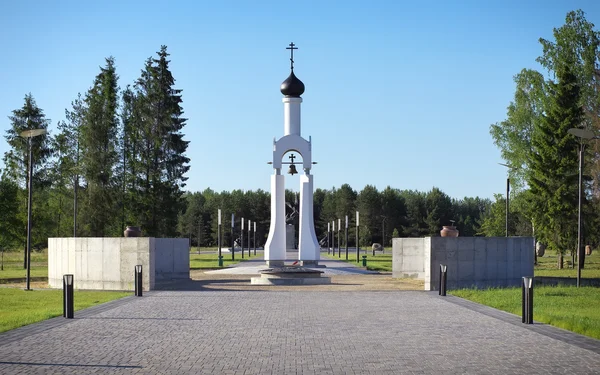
x=13 y=262
x=195 y=249
x=547 y=266
x=20 y=307
x=12 y=265
x=211 y=261
x=379 y=262
x=571 y=308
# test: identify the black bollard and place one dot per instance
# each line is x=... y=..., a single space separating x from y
x=138 y=280
x=68 y=296
x=523 y=307
x=65 y=298
x=527 y=300
x=443 y=279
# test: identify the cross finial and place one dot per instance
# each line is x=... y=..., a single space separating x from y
x=292 y=157
x=292 y=47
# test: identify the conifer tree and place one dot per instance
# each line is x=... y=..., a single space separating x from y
x=554 y=165
x=439 y=211
x=159 y=163
x=72 y=154
x=99 y=153
x=29 y=117
x=128 y=147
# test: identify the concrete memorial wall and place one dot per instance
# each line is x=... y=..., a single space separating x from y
x=109 y=263
x=479 y=262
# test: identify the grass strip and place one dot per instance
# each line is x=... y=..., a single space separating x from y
x=211 y=260
x=20 y=307
x=567 y=307
x=379 y=262
x=547 y=266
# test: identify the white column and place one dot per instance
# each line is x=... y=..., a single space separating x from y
x=308 y=245
x=291 y=116
x=275 y=245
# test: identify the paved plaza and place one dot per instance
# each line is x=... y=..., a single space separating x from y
x=212 y=331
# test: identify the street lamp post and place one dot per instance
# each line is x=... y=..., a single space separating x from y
x=242 y=237
x=581 y=134
x=346 y=237
x=339 y=239
x=29 y=134
x=254 y=241
x=219 y=234
x=232 y=237
x=507 y=193
x=357 y=247
x=328 y=232
x=249 y=226
x=333 y=237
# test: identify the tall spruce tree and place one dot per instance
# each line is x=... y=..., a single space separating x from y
x=72 y=129
x=99 y=154
x=128 y=147
x=159 y=163
x=29 y=117
x=61 y=171
x=554 y=164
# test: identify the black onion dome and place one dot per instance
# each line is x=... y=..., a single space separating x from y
x=292 y=86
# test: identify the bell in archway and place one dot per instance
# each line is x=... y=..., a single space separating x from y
x=292 y=170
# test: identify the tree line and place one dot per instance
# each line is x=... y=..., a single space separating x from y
x=384 y=214
x=117 y=159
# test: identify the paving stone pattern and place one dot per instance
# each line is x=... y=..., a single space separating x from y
x=229 y=332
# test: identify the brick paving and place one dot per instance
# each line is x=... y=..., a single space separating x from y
x=294 y=332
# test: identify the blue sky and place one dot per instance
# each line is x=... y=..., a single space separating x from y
x=398 y=93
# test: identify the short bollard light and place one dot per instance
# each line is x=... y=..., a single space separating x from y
x=364 y=258
x=527 y=300
x=220 y=260
x=68 y=296
x=443 y=279
x=138 y=280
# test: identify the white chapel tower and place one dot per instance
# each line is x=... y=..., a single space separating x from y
x=308 y=246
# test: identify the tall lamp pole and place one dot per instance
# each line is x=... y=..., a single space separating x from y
x=346 y=237
x=333 y=237
x=219 y=231
x=242 y=237
x=254 y=237
x=249 y=226
x=507 y=193
x=76 y=187
x=357 y=247
x=339 y=239
x=232 y=237
x=30 y=134
x=328 y=232
x=581 y=134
